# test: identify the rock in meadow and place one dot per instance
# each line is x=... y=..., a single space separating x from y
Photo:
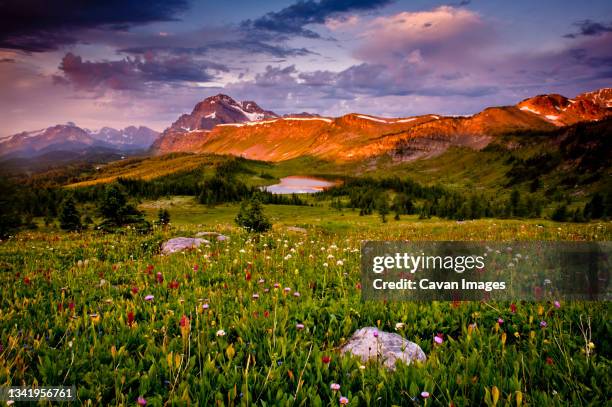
x=370 y=343
x=178 y=244
x=216 y=235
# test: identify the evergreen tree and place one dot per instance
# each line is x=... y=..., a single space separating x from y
x=383 y=208
x=163 y=216
x=515 y=199
x=560 y=213
x=402 y=204
x=116 y=211
x=595 y=208
x=425 y=211
x=578 y=216
x=69 y=217
x=251 y=216
x=535 y=184
x=10 y=214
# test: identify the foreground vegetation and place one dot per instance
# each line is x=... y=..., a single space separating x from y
x=259 y=319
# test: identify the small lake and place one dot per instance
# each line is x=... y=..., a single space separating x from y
x=296 y=184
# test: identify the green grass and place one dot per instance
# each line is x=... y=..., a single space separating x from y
x=66 y=300
x=186 y=212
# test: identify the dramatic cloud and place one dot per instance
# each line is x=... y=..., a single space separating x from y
x=293 y=20
x=443 y=35
x=130 y=62
x=590 y=28
x=133 y=73
x=441 y=58
x=38 y=25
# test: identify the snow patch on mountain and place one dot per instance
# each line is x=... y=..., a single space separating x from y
x=374 y=119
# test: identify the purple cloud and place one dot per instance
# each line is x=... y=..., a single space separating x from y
x=590 y=28
x=133 y=73
x=37 y=26
x=292 y=20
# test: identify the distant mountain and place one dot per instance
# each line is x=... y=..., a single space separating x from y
x=361 y=136
x=131 y=138
x=302 y=114
x=69 y=138
x=63 y=137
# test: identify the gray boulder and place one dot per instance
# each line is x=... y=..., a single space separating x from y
x=178 y=244
x=370 y=343
x=216 y=235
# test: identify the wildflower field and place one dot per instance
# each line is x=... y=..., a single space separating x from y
x=258 y=319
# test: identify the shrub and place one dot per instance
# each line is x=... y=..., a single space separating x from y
x=69 y=218
x=251 y=216
x=116 y=211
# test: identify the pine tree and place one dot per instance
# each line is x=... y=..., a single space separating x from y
x=69 y=217
x=163 y=216
x=560 y=213
x=383 y=208
x=251 y=216
x=11 y=212
x=116 y=211
x=595 y=209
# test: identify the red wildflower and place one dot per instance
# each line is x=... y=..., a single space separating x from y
x=184 y=321
x=549 y=361
x=173 y=284
x=71 y=306
x=248 y=276
x=513 y=308
x=149 y=269
x=266 y=314
x=27 y=280
x=326 y=359
x=130 y=318
x=358 y=286
x=60 y=307
x=159 y=277
x=134 y=290
x=195 y=267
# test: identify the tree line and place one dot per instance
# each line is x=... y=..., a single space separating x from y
x=406 y=197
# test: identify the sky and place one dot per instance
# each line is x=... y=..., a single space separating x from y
x=128 y=62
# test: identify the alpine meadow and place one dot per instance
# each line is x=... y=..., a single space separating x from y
x=191 y=192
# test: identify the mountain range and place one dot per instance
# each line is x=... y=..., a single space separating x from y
x=69 y=138
x=219 y=124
